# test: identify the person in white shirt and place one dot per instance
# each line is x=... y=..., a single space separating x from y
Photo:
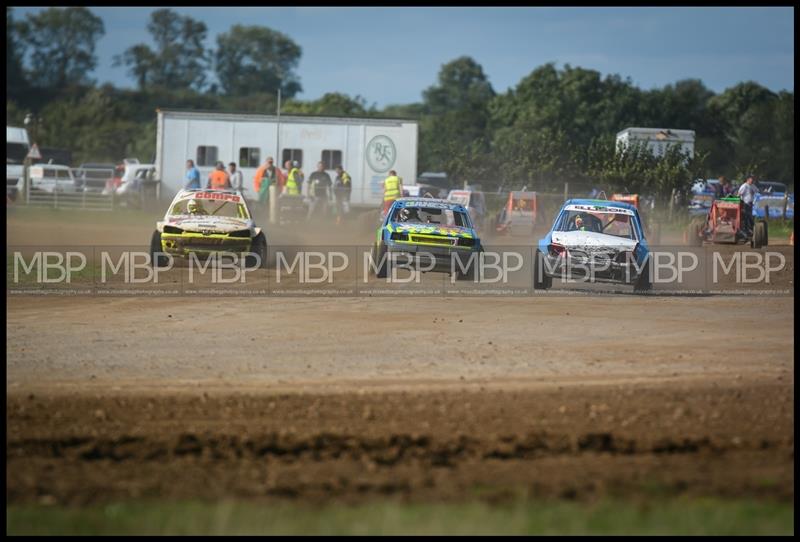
x=747 y=192
x=237 y=181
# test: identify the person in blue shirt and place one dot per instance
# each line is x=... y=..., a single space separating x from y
x=192 y=175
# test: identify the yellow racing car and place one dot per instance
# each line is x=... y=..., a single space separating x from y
x=207 y=222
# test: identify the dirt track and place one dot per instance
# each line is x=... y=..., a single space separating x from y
x=413 y=397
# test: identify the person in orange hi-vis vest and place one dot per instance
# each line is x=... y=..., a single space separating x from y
x=267 y=175
x=219 y=178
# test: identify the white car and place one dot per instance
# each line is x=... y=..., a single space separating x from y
x=474 y=201
x=596 y=240
x=128 y=177
x=52 y=178
x=205 y=222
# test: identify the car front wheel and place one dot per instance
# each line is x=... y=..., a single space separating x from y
x=158 y=258
x=541 y=281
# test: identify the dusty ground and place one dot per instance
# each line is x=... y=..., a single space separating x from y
x=440 y=398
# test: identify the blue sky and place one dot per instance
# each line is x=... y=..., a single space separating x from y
x=390 y=55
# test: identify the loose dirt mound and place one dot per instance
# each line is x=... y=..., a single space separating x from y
x=578 y=442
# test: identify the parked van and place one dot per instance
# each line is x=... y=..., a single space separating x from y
x=17 y=147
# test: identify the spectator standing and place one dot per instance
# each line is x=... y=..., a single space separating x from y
x=727 y=189
x=266 y=176
x=294 y=180
x=192 y=176
x=342 y=188
x=748 y=192
x=392 y=189
x=319 y=189
x=237 y=181
x=287 y=167
x=219 y=178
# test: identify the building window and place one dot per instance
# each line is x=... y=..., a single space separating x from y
x=249 y=157
x=206 y=156
x=331 y=159
x=293 y=155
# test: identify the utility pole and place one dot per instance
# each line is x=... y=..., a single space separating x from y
x=273 y=190
x=278 y=132
x=30 y=124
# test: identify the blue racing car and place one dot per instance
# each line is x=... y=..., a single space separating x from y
x=437 y=235
x=597 y=241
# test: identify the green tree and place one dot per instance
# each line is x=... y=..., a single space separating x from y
x=14 y=114
x=781 y=164
x=15 y=76
x=413 y=111
x=62 y=43
x=93 y=125
x=251 y=59
x=332 y=104
x=539 y=159
x=544 y=126
x=746 y=114
x=141 y=62
x=456 y=113
x=179 y=59
x=634 y=168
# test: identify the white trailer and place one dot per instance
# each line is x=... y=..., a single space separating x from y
x=658 y=140
x=367 y=148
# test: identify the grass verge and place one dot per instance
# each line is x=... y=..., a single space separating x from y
x=668 y=516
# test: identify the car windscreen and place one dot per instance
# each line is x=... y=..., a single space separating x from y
x=522 y=205
x=50 y=173
x=461 y=199
x=209 y=207
x=143 y=174
x=609 y=223
x=770 y=187
x=773 y=201
x=16 y=153
x=428 y=215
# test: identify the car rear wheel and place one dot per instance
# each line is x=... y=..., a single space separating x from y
x=381 y=259
x=643 y=283
x=259 y=250
x=760 y=235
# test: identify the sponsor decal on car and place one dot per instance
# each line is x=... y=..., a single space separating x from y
x=430 y=229
x=217 y=196
x=603 y=208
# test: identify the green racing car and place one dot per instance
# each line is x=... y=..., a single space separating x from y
x=436 y=235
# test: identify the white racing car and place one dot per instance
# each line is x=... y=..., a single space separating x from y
x=595 y=240
x=207 y=222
